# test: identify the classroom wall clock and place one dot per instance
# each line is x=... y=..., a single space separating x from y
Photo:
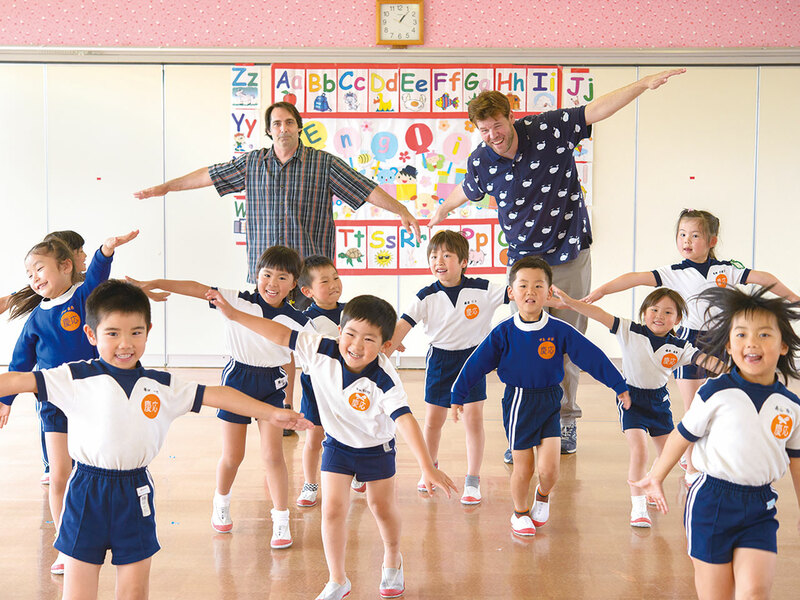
x=399 y=22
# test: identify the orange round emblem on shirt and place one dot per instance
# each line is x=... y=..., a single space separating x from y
x=781 y=426
x=721 y=280
x=471 y=311
x=70 y=320
x=547 y=350
x=669 y=360
x=359 y=401
x=151 y=404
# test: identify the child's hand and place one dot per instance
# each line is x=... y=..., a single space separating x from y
x=5 y=410
x=654 y=491
x=593 y=296
x=285 y=418
x=147 y=288
x=440 y=479
x=559 y=298
x=455 y=411
x=625 y=399
x=217 y=300
x=119 y=240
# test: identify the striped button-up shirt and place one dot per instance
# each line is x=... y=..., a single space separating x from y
x=291 y=203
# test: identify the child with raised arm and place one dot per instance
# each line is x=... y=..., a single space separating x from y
x=319 y=281
x=528 y=352
x=361 y=402
x=745 y=426
x=119 y=414
x=256 y=368
x=457 y=313
x=696 y=236
x=650 y=352
x=52 y=335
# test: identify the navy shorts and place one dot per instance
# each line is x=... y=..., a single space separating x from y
x=52 y=418
x=308 y=403
x=689 y=371
x=721 y=516
x=366 y=464
x=650 y=410
x=441 y=370
x=531 y=415
x=108 y=510
x=262 y=383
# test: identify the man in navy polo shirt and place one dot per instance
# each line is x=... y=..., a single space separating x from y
x=529 y=168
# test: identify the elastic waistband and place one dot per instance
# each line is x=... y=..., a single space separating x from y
x=381 y=449
x=253 y=368
x=657 y=393
x=729 y=486
x=456 y=352
x=114 y=473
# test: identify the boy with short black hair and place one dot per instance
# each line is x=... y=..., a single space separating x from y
x=361 y=402
x=528 y=350
x=457 y=313
x=119 y=414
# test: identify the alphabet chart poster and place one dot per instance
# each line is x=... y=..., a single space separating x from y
x=406 y=127
x=245 y=129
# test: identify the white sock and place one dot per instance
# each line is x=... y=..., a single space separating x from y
x=639 y=503
x=222 y=498
x=280 y=515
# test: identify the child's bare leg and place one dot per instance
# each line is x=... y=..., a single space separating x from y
x=637 y=445
x=311 y=450
x=274 y=464
x=688 y=388
x=234 y=437
x=548 y=463
x=753 y=572
x=60 y=468
x=435 y=416
x=133 y=580
x=521 y=478
x=660 y=441
x=335 y=505
x=383 y=504
x=713 y=581
x=476 y=437
x=80 y=579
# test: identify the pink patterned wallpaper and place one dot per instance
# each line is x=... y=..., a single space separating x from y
x=351 y=23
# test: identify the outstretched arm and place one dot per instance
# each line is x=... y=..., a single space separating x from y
x=184 y=288
x=191 y=181
x=412 y=434
x=274 y=332
x=454 y=199
x=710 y=363
x=381 y=199
x=794 y=469
x=400 y=332
x=113 y=242
x=589 y=310
x=765 y=279
x=652 y=483
x=14 y=383
x=620 y=284
x=608 y=104
x=235 y=401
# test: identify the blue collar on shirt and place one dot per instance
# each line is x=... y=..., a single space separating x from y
x=126 y=378
x=657 y=341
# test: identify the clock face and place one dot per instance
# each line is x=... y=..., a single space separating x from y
x=400 y=22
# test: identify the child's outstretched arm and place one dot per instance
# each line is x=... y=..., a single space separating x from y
x=794 y=469
x=4 y=304
x=235 y=401
x=113 y=242
x=593 y=312
x=274 y=332
x=622 y=283
x=184 y=288
x=412 y=434
x=652 y=483
x=14 y=383
x=765 y=279
x=400 y=332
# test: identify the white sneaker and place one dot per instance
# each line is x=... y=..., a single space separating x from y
x=307 y=498
x=690 y=478
x=281 y=536
x=392 y=582
x=57 y=568
x=541 y=511
x=45 y=478
x=221 y=516
x=640 y=518
x=522 y=525
x=471 y=495
x=335 y=591
x=358 y=486
x=421 y=487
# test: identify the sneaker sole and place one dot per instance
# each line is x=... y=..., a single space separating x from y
x=222 y=528
x=306 y=503
x=57 y=570
x=538 y=523
x=641 y=523
x=524 y=532
x=391 y=593
x=470 y=501
x=280 y=544
x=360 y=490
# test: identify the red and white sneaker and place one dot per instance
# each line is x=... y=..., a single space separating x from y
x=281 y=536
x=307 y=498
x=358 y=486
x=392 y=582
x=522 y=525
x=45 y=478
x=640 y=518
x=471 y=495
x=57 y=568
x=221 y=516
x=541 y=510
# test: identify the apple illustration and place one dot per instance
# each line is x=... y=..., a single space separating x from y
x=289 y=97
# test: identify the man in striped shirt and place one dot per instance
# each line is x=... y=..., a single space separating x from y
x=289 y=190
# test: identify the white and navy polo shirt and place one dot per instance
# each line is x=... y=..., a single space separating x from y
x=743 y=432
x=356 y=409
x=118 y=418
x=690 y=278
x=458 y=317
x=248 y=347
x=539 y=198
x=647 y=359
x=325 y=321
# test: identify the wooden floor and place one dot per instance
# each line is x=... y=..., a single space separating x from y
x=586 y=550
